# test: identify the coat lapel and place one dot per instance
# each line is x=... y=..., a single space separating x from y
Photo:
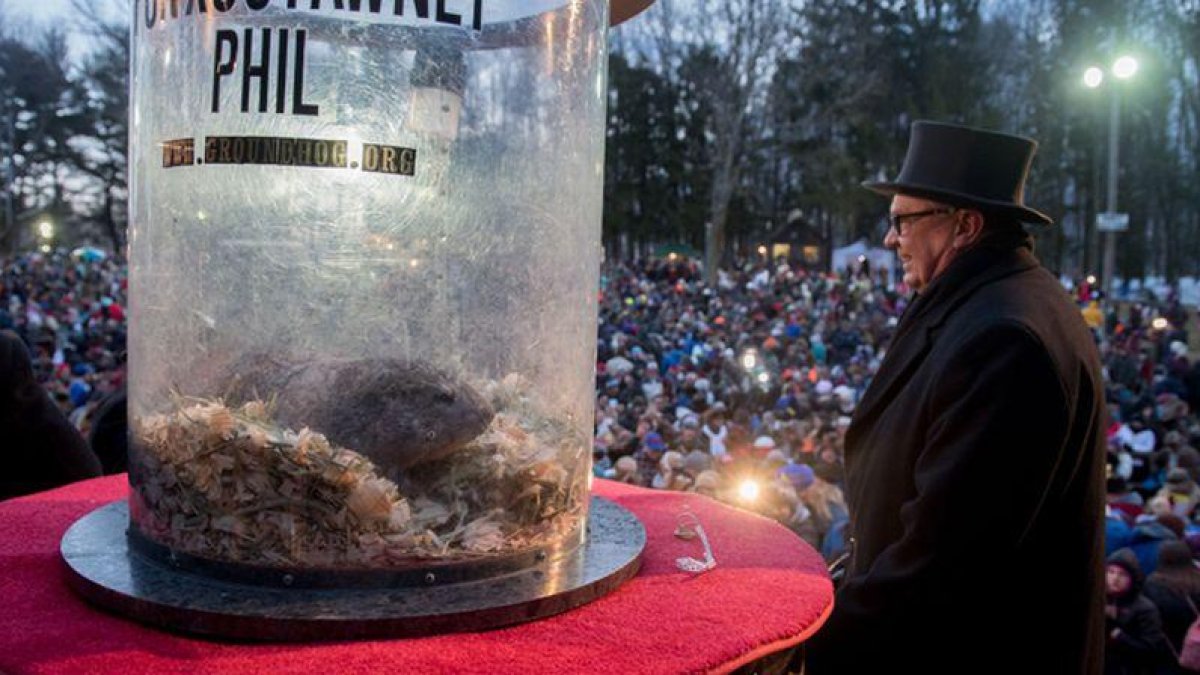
x=903 y=356
x=915 y=335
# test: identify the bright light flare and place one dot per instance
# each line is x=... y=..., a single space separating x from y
x=1160 y=324
x=764 y=378
x=46 y=229
x=1093 y=77
x=1091 y=279
x=1125 y=67
x=749 y=360
x=748 y=490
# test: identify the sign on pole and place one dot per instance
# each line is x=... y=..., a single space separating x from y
x=1112 y=222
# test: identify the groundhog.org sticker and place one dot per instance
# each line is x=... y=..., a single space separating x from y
x=280 y=151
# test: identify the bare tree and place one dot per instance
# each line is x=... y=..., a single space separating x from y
x=740 y=41
x=102 y=153
x=38 y=117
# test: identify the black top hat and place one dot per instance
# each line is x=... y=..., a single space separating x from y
x=966 y=167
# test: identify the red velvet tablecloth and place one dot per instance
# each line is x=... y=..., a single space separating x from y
x=769 y=591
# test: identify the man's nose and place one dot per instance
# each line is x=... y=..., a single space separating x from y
x=891 y=239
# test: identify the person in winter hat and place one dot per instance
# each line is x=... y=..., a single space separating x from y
x=1175 y=589
x=1135 y=639
x=1181 y=491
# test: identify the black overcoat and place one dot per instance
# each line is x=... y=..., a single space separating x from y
x=975 y=477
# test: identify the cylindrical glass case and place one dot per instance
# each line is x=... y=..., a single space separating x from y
x=364 y=253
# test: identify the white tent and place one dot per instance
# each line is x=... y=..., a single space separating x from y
x=1189 y=291
x=852 y=255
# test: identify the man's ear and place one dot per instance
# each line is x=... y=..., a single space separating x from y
x=968 y=229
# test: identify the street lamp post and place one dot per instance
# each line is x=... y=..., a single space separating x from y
x=1123 y=68
x=1114 y=148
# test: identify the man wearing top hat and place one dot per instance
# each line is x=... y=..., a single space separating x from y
x=974 y=464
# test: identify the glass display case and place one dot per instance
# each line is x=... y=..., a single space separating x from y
x=364 y=258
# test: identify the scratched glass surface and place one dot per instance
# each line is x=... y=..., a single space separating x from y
x=364 y=253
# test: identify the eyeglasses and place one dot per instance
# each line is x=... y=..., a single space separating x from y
x=897 y=220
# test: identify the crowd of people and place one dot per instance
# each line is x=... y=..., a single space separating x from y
x=69 y=309
x=742 y=391
x=1152 y=519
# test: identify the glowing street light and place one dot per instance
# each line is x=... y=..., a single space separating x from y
x=749 y=360
x=46 y=229
x=1124 y=67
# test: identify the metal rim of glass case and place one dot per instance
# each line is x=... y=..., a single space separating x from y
x=104 y=568
x=514 y=33
x=410 y=572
